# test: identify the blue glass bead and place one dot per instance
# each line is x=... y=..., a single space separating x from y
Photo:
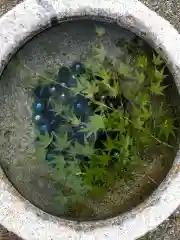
x=73 y=77
x=38 y=106
x=62 y=95
x=78 y=105
x=50 y=157
x=116 y=154
x=42 y=91
x=43 y=128
x=86 y=158
x=72 y=81
x=37 y=118
x=55 y=122
x=52 y=89
x=63 y=75
x=77 y=68
x=63 y=84
x=103 y=97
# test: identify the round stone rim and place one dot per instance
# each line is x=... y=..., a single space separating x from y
x=16 y=28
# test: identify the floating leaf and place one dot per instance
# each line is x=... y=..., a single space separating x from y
x=81 y=84
x=79 y=149
x=95 y=124
x=100 y=31
x=157 y=88
x=93 y=65
x=111 y=143
x=142 y=61
x=91 y=90
x=100 y=53
x=114 y=90
x=138 y=122
x=57 y=108
x=62 y=142
x=159 y=75
x=157 y=60
x=140 y=77
x=60 y=164
x=105 y=75
x=125 y=70
x=44 y=140
x=101 y=107
x=142 y=99
x=167 y=128
x=75 y=121
x=104 y=158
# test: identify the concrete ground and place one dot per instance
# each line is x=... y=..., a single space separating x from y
x=169 y=9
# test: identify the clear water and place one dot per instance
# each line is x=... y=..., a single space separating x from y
x=21 y=113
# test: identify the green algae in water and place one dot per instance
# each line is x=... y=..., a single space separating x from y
x=108 y=164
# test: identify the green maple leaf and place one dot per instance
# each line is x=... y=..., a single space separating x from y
x=93 y=65
x=142 y=98
x=60 y=165
x=114 y=90
x=74 y=181
x=157 y=60
x=62 y=141
x=81 y=84
x=125 y=141
x=73 y=170
x=66 y=112
x=146 y=112
x=101 y=107
x=96 y=173
x=57 y=108
x=157 y=89
x=111 y=143
x=142 y=61
x=75 y=121
x=100 y=31
x=85 y=87
x=116 y=121
x=125 y=70
x=144 y=135
x=44 y=140
x=104 y=158
x=159 y=75
x=167 y=127
x=95 y=124
x=62 y=200
x=100 y=53
x=79 y=149
x=140 y=77
x=105 y=74
x=138 y=122
x=91 y=90
x=100 y=174
x=158 y=112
